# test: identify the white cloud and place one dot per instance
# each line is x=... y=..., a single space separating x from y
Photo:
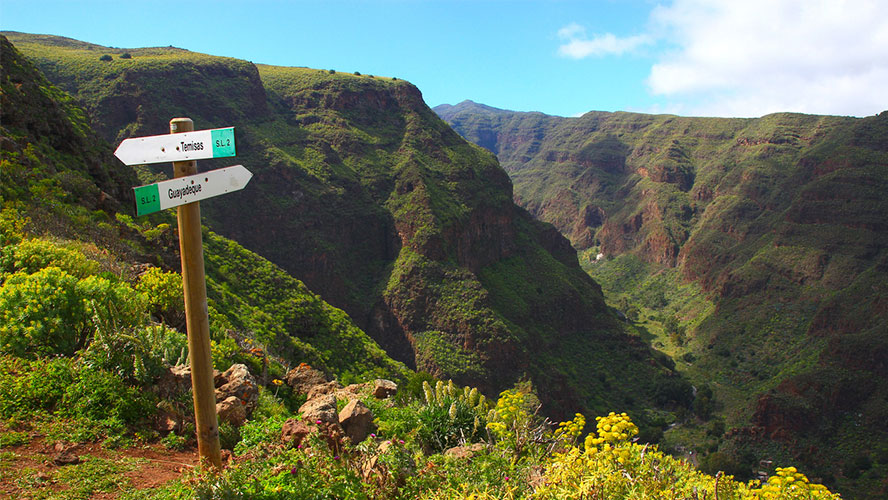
x=578 y=46
x=760 y=56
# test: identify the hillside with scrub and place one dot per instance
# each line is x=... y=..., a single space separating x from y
x=94 y=394
x=752 y=251
x=365 y=195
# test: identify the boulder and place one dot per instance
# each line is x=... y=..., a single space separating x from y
x=240 y=384
x=294 y=431
x=304 y=377
x=232 y=410
x=326 y=388
x=356 y=419
x=177 y=380
x=384 y=388
x=321 y=408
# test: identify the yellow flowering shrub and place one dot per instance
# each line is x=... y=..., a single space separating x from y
x=790 y=484
x=569 y=431
x=611 y=466
x=511 y=421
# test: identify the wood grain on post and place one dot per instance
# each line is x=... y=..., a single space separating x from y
x=197 y=317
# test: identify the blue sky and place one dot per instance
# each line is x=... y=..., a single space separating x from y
x=562 y=57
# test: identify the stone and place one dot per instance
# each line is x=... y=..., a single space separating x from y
x=356 y=419
x=384 y=388
x=326 y=388
x=294 y=431
x=232 y=410
x=66 y=454
x=240 y=384
x=321 y=408
x=302 y=378
x=177 y=380
x=464 y=452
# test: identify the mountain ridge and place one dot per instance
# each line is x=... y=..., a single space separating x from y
x=403 y=224
x=753 y=249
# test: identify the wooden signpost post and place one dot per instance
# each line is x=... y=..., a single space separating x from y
x=183 y=146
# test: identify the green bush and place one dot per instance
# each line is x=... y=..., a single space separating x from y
x=100 y=395
x=30 y=256
x=139 y=355
x=31 y=387
x=450 y=417
x=165 y=295
x=173 y=441
x=105 y=57
x=53 y=312
x=229 y=436
x=126 y=55
x=259 y=431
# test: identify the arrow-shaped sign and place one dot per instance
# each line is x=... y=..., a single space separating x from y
x=198 y=145
x=172 y=193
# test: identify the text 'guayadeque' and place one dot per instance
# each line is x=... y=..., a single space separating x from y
x=182 y=192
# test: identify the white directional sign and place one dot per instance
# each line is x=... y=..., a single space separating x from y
x=172 y=193
x=197 y=145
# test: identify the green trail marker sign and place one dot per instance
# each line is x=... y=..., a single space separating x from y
x=181 y=190
x=199 y=145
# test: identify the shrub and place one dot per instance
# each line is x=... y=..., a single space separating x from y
x=126 y=55
x=105 y=57
x=139 y=355
x=28 y=387
x=413 y=388
x=52 y=312
x=165 y=295
x=450 y=416
x=229 y=436
x=173 y=441
x=32 y=255
x=513 y=421
x=357 y=73
x=99 y=395
x=673 y=391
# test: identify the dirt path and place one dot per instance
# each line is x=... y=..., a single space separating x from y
x=41 y=469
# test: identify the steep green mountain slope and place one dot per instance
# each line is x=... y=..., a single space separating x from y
x=757 y=246
x=363 y=193
x=58 y=174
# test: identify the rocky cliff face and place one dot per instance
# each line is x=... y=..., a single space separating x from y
x=778 y=220
x=361 y=191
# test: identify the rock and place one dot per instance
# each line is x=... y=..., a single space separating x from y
x=294 y=431
x=464 y=452
x=357 y=420
x=304 y=377
x=177 y=380
x=321 y=408
x=384 y=388
x=240 y=384
x=326 y=388
x=167 y=421
x=232 y=410
x=66 y=454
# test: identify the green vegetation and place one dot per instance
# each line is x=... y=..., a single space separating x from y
x=380 y=208
x=742 y=248
x=521 y=457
